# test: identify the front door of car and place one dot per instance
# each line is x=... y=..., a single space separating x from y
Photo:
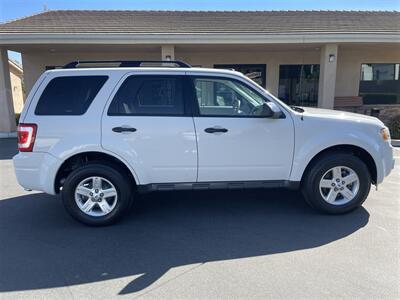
x=148 y=124
x=235 y=142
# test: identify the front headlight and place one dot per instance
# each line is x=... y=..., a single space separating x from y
x=385 y=134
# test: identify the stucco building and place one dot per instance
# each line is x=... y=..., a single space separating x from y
x=332 y=59
x=17 y=89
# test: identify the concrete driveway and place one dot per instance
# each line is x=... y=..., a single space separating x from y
x=205 y=245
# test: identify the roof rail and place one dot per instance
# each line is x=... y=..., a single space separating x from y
x=126 y=63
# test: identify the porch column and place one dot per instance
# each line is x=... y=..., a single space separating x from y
x=327 y=76
x=7 y=116
x=167 y=52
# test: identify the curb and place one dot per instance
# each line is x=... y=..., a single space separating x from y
x=5 y=135
x=396 y=143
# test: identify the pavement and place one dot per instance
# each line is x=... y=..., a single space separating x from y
x=254 y=244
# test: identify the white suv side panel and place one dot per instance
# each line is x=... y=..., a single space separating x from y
x=162 y=149
x=60 y=137
x=252 y=149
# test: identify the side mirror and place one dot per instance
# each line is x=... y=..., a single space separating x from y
x=271 y=110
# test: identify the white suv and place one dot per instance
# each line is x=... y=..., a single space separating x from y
x=98 y=135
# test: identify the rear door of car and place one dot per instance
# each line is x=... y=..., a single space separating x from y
x=148 y=123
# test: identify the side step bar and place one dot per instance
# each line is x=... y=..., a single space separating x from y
x=218 y=185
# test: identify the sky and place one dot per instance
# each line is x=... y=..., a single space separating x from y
x=13 y=9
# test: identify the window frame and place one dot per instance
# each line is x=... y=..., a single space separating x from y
x=360 y=81
x=301 y=65
x=186 y=93
x=107 y=77
x=195 y=103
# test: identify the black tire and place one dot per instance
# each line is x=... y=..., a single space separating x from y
x=311 y=180
x=113 y=174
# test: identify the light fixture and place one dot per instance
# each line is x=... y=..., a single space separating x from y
x=167 y=57
x=332 y=57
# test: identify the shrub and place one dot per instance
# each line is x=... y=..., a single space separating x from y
x=17 y=116
x=394 y=127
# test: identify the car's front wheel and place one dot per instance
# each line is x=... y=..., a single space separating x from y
x=336 y=183
x=97 y=194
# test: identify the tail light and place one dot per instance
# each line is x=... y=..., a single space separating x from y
x=26 y=137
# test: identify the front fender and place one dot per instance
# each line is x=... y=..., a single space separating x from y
x=308 y=148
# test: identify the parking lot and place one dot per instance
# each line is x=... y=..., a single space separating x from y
x=205 y=245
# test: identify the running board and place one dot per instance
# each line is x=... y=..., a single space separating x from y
x=218 y=185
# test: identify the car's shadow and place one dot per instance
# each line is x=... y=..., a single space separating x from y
x=42 y=247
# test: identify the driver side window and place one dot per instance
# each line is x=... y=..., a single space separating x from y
x=225 y=97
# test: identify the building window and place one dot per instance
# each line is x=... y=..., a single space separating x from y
x=380 y=83
x=298 y=84
x=255 y=72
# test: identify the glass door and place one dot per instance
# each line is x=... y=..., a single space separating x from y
x=298 y=84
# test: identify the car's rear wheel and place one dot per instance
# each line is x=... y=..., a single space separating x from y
x=97 y=194
x=336 y=183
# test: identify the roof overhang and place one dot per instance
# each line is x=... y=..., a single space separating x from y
x=204 y=38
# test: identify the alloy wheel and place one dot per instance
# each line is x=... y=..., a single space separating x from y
x=339 y=185
x=96 y=196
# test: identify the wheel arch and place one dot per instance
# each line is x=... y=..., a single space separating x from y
x=359 y=152
x=77 y=159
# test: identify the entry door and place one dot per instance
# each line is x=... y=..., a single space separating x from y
x=298 y=84
x=148 y=125
x=234 y=142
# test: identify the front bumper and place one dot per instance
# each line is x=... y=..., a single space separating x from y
x=387 y=161
x=36 y=170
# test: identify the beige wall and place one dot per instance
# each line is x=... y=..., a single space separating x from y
x=349 y=60
x=35 y=63
x=349 y=65
x=17 y=91
x=272 y=59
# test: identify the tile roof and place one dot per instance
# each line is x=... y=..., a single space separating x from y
x=203 y=22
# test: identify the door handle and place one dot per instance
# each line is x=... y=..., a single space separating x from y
x=215 y=129
x=123 y=129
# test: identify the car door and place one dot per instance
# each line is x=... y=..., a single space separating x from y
x=149 y=125
x=235 y=143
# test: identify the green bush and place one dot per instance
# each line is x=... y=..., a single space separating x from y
x=394 y=127
x=17 y=118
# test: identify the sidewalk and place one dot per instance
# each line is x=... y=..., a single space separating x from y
x=5 y=135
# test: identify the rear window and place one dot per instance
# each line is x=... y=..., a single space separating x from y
x=70 y=95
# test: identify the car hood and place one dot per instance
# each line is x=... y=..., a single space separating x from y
x=340 y=115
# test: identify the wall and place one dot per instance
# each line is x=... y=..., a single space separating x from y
x=17 y=92
x=35 y=63
x=272 y=59
x=349 y=65
x=349 y=60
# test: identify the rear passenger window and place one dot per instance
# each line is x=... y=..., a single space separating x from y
x=149 y=95
x=69 y=95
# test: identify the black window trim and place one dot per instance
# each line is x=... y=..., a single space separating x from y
x=107 y=77
x=195 y=104
x=187 y=109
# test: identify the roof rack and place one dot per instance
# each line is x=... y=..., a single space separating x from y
x=127 y=63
